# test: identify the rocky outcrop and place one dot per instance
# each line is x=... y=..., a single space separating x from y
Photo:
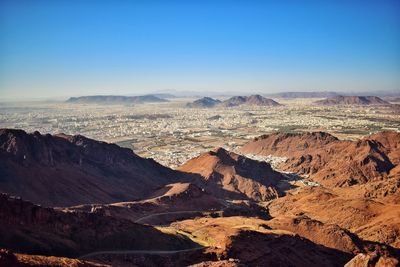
x=64 y=170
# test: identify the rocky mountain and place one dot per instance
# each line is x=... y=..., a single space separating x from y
x=252 y=242
x=226 y=174
x=205 y=102
x=64 y=170
x=28 y=228
x=177 y=199
x=115 y=99
x=254 y=100
x=357 y=221
x=217 y=208
x=331 y=161
x=352 y=100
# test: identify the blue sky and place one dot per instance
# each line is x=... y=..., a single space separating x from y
x=63 y=48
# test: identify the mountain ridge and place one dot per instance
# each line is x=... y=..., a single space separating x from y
x=352 y=100
x=64 y=170
x=115 y=99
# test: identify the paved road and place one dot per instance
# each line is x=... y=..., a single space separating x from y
x=148 y=252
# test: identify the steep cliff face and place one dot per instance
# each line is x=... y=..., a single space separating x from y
x=66 y=170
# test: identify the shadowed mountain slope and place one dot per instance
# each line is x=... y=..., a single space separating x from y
x=28 y=228
x=63 y=170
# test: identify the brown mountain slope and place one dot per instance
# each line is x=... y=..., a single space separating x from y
x=65 y=170
x=376 y=220
x=252 y=242
x=328 y=235
x=352 y=100
x=373 y=260
x=28 y=228
x=330 y=161
x=226 y=174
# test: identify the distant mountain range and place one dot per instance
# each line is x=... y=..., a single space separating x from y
x=352 y=100
x=207 y=102
x=253 y=100
x=303 y=94
x=283 y=94
x=116 y=99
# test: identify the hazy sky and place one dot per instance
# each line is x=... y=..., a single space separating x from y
x=62 y=48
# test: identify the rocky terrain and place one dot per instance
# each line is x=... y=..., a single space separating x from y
x=32 y=229
x=254 y=243
x=169 y=203
x=352 y=100
x=66 y=170
x=109 y=207
x=229 y=175
x=330 y=161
